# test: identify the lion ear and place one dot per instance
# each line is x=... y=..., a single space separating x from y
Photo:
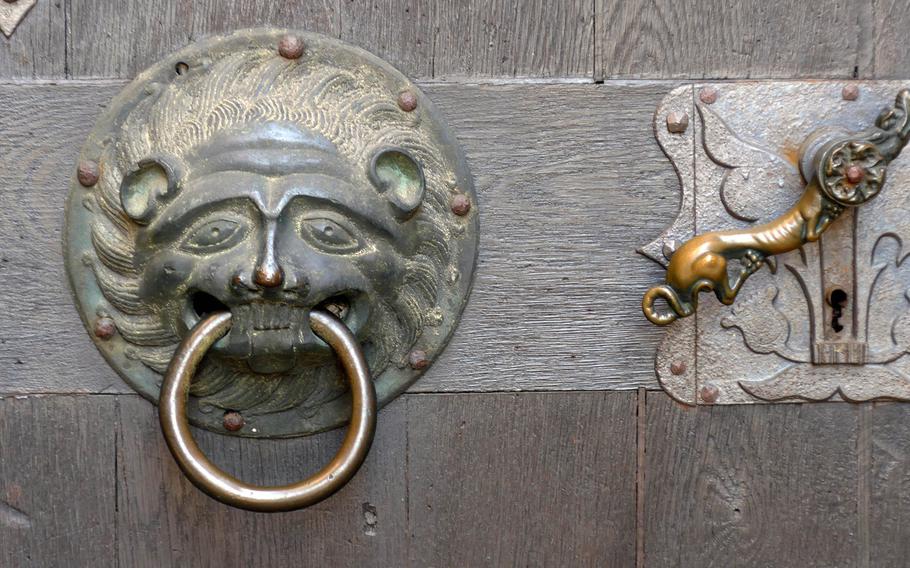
x=398 y=176
x=148 y=185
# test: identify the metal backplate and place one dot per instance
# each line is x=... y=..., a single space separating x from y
x=12 y=14
x=269 y=173
x=830 y=321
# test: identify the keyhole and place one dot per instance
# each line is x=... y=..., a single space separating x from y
x=837 y=299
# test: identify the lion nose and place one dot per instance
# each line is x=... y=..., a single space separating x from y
x=268 y=275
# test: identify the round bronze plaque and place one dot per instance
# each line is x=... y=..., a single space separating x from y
x=271 y=173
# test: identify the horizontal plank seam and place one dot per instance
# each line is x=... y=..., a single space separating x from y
x=407 y=394
x=460 y=81
x=624 y=388
x=485 y=82
x=7 y=396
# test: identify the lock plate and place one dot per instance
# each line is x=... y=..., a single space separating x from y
x=270 y=173
x=828 y=321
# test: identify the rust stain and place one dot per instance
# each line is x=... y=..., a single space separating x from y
x=791 y=154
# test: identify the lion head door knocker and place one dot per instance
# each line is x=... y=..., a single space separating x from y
x=269 y=234
x=783 y=177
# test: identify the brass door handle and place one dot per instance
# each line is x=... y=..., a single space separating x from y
x=840 y=171
x=232 y=491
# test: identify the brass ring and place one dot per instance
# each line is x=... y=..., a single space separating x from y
x=227 y=488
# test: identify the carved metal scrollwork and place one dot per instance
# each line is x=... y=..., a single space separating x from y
x=827 y=320
x=839 y=173
x=12 y=12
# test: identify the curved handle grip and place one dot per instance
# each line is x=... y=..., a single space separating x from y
x=232 y=491
x=840 y=171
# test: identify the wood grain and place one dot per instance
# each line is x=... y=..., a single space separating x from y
x=887 y=22
x=696 y=39
x=751 y=485
x=57 y=487
x=659 y=39
x=43 y=128
x=424 y=38
x=889 y=484
x=120 y=39
x=37 y=49
x=539 y=38
x=531 y=479
x=163 y=520
x=470 y=479
x=570 y=182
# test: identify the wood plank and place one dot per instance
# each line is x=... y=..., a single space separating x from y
x=491 y=38
x=37 y=49
x=164 y=521
x=531 y=479
x=888 y=21
x=57 y=490
x=570 y=181
x=693 y=39
x=43 y=346
x=120 y=39
x=424 y=38
x=751 y=485
x=889 y=484
x=403 y=32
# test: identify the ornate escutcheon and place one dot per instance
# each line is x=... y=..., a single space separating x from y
x=270 y=233
x=778 y=220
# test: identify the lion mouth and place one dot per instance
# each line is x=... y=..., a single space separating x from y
x=271 y=336
x=203 y=305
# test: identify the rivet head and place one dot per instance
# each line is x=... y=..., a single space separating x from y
x=708 y=95
x=709 y=393
x=677 y=122
x=88 y=173
x=233 y=421
x=407 y=101
x=418 y=360
x=461 y=205
x=677 y=367
x=290 y=47
x=105 y=328
x=850 y=92
x=855 y=174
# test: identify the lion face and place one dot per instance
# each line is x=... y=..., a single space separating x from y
x=270 y=188
x=270 y=233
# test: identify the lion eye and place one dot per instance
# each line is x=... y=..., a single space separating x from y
x=329 y=235
x=214 y=235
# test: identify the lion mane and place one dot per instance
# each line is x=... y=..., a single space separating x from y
x=356 y=109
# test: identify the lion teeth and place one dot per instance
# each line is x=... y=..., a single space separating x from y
x=270 y=317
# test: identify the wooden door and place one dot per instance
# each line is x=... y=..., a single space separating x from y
x=541 y=437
